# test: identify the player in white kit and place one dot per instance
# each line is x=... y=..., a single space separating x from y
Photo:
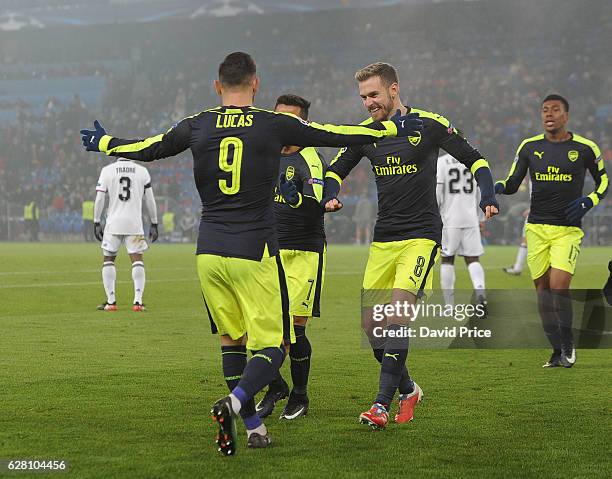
x=127 y=185
x=458 y=199
x=521 y=255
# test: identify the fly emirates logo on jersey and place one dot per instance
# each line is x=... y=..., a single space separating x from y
x=394 y=166
x=553 y=173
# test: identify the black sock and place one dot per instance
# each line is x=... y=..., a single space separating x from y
x=550 y=320
x=406 y=385
x=300 y=353
x=392 y=365
x=563 y=309
x=607 y=289
x=277 y=383
x=260 y=370
x=234 y=360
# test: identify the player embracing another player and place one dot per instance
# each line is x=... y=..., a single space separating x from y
x=236 y=151
x=408 y=231
x=301 y=238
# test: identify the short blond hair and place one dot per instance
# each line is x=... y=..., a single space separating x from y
x=385 y=71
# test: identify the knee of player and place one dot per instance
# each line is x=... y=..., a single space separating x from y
x=226 y=340
x=300 y=320
x=448 y=260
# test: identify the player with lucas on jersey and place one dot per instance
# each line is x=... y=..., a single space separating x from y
x=458 y=199
x=127 y=185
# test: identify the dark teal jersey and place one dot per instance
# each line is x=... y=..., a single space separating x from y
x=557 y=171
x=236 y=154
x=405 y=173
x=301 y=227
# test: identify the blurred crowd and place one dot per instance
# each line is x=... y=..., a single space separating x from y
x=489 y=83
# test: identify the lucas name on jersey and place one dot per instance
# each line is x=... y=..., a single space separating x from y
x=234 y=121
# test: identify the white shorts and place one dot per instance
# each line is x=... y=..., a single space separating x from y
x=134 y=244
x=462 y=242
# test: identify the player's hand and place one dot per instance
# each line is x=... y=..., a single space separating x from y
x=153 y=233
x=407 y=125
x=333 y=205
x=98 y=231
x=578 y=208
x=91 y=138
x=289 y=190
x=489 y=207
x=499 y=188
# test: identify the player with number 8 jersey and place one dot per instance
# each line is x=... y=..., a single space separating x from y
x=236 y=153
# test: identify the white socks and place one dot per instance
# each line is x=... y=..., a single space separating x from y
x=236 y=404
x=447 y=282
x=109 y=275
x=521 y=255
x=477 y=275
x=138 y=276
x=261 y=430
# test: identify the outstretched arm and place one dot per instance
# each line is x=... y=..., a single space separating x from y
x=173 y=142
x=295 y=131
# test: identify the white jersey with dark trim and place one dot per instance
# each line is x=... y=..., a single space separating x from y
x=458 y=194
x=124 y=182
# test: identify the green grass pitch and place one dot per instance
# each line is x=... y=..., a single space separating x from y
x=128 y=395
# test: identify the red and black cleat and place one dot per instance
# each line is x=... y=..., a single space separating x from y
x=377 y=417
x=225 y=418
x=407 y=403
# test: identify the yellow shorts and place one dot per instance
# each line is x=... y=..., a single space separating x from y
x=305 y=271
x=552 y=246
x=246 y=297
x=406 y=264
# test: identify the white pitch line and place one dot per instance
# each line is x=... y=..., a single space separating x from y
x=185 y=268
x=92 y=283
x=358 y=273
x=35 y=272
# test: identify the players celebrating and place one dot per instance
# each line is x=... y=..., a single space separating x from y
x=408 y=232
x=458 y=204
x=126 y=184
x=557 y=161
x=301 y=238
x=236 y=149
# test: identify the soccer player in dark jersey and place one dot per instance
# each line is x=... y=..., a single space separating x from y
x=236 y=149
x=301 y=238
x=557 y=161
x=408 y=231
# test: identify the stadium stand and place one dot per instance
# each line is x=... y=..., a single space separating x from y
x=487 y=80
